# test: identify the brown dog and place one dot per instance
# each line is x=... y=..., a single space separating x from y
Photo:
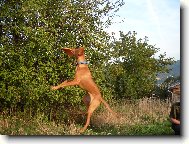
x=84 y=79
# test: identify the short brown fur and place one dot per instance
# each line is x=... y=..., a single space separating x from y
x=84 y=79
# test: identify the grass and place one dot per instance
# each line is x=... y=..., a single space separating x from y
x=19 y=127
x=144 y=117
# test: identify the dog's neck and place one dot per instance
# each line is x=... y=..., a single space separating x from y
x=81 y=60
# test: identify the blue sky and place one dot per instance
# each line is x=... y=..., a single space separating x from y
x=159 y=20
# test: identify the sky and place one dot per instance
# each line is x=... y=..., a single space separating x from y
x=159 y=20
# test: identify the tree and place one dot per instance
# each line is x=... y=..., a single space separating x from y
x=133 y=68
x=32 y=33
x=162 y=89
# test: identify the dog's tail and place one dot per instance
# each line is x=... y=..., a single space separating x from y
x=108 y=107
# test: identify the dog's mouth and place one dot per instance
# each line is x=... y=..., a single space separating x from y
x=68 y=51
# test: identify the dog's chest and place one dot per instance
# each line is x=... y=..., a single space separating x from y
x=82 y=72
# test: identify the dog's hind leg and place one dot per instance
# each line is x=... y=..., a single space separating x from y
x=87 y=100
x=94 y=104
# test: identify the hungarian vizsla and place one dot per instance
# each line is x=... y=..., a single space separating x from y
x=84 y=79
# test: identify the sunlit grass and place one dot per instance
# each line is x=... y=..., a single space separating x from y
x=147 y=116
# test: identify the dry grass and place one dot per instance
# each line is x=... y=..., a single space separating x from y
x=142 y=111
x=146 y=111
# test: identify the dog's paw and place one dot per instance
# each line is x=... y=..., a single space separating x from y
x=54 y=87
x=81 y=131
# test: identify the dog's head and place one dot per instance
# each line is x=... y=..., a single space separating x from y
x=74 y=51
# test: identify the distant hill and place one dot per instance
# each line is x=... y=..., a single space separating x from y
x=175 y=72
x=175 y=69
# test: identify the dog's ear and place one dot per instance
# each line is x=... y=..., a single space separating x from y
x=81 y=51
x=68 y=51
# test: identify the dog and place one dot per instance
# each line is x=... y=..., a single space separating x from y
x=83 y=78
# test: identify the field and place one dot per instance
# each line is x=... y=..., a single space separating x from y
x=144 y=117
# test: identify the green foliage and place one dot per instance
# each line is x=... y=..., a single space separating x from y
x=162 y=89
x=133 y=69
x=32 y=33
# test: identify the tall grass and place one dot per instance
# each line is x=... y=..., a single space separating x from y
x=132 y=112
x=137 y=117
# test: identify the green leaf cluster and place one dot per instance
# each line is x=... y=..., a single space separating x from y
x=133 y=67
x=32 y=33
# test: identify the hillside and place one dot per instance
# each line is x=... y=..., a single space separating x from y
x=174 y=71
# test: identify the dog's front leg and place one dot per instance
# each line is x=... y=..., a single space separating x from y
x=65 y=83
